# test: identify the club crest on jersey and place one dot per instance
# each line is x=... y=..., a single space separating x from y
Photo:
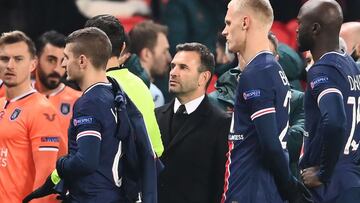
x=251 y=94
x=65 y=108
x=15 y=114
x=319 y=80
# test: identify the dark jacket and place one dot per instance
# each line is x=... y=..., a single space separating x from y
x=224 y=95
x=296 y=130
x=195 y=158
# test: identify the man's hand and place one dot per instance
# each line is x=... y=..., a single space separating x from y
x=310 y=177
x=46 y=189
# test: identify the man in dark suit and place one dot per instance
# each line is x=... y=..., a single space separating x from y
x=194 y=132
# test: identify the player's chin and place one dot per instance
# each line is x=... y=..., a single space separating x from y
x=173 y=89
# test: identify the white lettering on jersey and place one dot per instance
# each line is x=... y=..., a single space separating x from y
x=284 y=78
x=3 y=157
x=354 y=82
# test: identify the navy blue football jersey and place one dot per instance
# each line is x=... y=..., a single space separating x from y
x=263 y=89
x=94 y=118
x=333 y=73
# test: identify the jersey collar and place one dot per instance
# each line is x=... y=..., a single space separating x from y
x=96 y=84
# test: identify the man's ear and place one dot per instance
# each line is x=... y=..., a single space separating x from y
x=123 y=56
x=316 y=28
x=204 y=78
x=122 y=49
x=145 y=55
x=83 y=61
x=34 y=63
x=245 y=23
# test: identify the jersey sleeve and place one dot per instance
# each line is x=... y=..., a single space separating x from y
x=257 y=94
x=87 y=123
x=332 y=125
x=322 y=81
x=45 y=135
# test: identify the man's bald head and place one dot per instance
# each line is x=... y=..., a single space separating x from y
x=260 y=10
x=350 y=32
x=319 y=20
x=327 y=13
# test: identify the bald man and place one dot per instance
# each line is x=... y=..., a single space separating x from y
x=331 y=158
x=257 y=169
x=350 y=32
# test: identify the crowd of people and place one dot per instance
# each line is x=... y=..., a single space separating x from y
x=84 y=118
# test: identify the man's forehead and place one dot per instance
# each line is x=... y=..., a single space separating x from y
x=15 y=49
x=186 y=57
x=50 y=49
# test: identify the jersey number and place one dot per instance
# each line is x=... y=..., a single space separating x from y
x=284 y=131
x=355 y=120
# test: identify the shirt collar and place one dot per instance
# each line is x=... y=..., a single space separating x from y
x=333 y=52
x=96 y=84
x=191 y=106
x=261 y=52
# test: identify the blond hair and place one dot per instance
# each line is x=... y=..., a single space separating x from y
x=261 y=8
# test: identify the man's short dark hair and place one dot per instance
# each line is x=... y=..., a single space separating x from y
x=207 y=60
x=15 y=37
x=50 y=37
x=144 y=35
x=113 y=29
x=93 y=43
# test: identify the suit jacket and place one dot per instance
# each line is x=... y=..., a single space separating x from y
x=195 y=158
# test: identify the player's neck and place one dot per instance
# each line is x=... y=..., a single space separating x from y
x=112 y=62
x=41 y=88
x=92 y=79
x=252 y=50
x=45 y=91
x=15 y=91
x=147 y=67
x=186 y=98
x=322 y=47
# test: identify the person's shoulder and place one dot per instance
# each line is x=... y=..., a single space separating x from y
x=164 y=107
x=215 y=110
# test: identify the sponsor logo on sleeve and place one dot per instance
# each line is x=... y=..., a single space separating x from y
x=251 y=94
x=84 y=120
x=15 y=114
x=319 y=80
x=49 y=139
